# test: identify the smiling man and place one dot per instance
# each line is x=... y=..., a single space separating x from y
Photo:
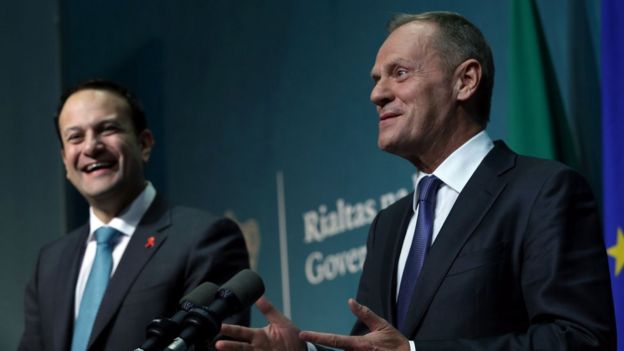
x=98 y=287
x=102 y=150
x=493 y=250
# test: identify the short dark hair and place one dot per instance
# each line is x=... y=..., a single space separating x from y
x=137 y=114
x=458 y=40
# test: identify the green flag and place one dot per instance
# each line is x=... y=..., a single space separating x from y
x=537 y=125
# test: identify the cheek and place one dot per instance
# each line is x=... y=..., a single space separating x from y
x=131 y=156
x=69 y=158
x=70 y=165
x=414 y=102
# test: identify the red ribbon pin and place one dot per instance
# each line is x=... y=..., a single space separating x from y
x=150 y=242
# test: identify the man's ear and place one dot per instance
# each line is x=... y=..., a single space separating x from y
x=146 y=140
x=468 y=77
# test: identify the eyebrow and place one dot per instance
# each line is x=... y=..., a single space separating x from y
x=106 y=119
x=390 y=65
x=71 y=129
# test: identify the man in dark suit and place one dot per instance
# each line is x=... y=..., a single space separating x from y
x=493 y=251
x=98 y=287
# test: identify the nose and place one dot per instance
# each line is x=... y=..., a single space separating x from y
x=93 y=144
x=381 y=94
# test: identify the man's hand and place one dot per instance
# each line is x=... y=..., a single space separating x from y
x=279 y=335
x=382 y=335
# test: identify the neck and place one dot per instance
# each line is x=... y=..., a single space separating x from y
x=432 y=155
x=105 y=209
x=104 y=215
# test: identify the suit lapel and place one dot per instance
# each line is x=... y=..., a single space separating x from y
x=473 y=203
x=64 y=288
x=400 y=221
x=135 y=257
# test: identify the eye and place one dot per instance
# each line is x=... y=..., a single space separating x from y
x=110 y=128
x=401 y=72
x=73 y=138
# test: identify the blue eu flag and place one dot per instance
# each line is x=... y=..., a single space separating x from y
x=612 y=47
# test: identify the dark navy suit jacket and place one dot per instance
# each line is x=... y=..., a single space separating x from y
x=519 y=264
x=190 y=247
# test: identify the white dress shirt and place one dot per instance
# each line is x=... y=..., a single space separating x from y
x=126 y=223
x=454 y=172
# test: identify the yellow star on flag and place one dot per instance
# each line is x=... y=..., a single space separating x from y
x=617 y=252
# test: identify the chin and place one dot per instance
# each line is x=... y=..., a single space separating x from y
x=97 y=195
x=100 y=191
x=386 y=146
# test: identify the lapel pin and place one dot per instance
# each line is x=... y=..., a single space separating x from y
x=150 y=242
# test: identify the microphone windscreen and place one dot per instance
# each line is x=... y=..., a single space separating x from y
x=246 y=285
x=202 y=295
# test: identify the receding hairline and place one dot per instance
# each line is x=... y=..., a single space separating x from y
x=120 y=101
x=121 y=105
x=98 y=90
x=405 y=20
x=456 y=39
x=400 y=19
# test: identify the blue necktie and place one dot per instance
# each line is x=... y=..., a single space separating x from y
x=427 y=190
x=96 y=285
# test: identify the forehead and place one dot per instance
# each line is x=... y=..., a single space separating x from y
x=91 y=104
x=411 y=41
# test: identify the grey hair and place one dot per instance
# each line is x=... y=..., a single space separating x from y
x=457 y=41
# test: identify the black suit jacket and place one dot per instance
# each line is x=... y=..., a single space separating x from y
x=519 y=264
x=190 y=247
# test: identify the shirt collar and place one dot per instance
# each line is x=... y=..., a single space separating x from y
x=128 y=220
x=458 y=167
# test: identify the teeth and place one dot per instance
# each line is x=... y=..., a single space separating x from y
x=95 y=166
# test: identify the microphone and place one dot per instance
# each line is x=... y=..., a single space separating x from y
x=238 y=293
x=161 y=331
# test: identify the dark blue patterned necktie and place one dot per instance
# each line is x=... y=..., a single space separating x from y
x=427 y=190
x=96 y=285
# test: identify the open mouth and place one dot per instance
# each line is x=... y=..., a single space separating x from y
x=92 y=167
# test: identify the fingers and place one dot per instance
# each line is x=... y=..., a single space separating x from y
x=237 y=332
x=264 y=305
x=368 y=317
x=331 y=340
x=271 y=313
x=229 y=345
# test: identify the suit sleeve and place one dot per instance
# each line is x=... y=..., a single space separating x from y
x=364 y=291
x=564 y=277
x=219 y=254
x=31 y=338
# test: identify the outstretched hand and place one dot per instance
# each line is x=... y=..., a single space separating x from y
x=279 y=335
x=382 y=336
